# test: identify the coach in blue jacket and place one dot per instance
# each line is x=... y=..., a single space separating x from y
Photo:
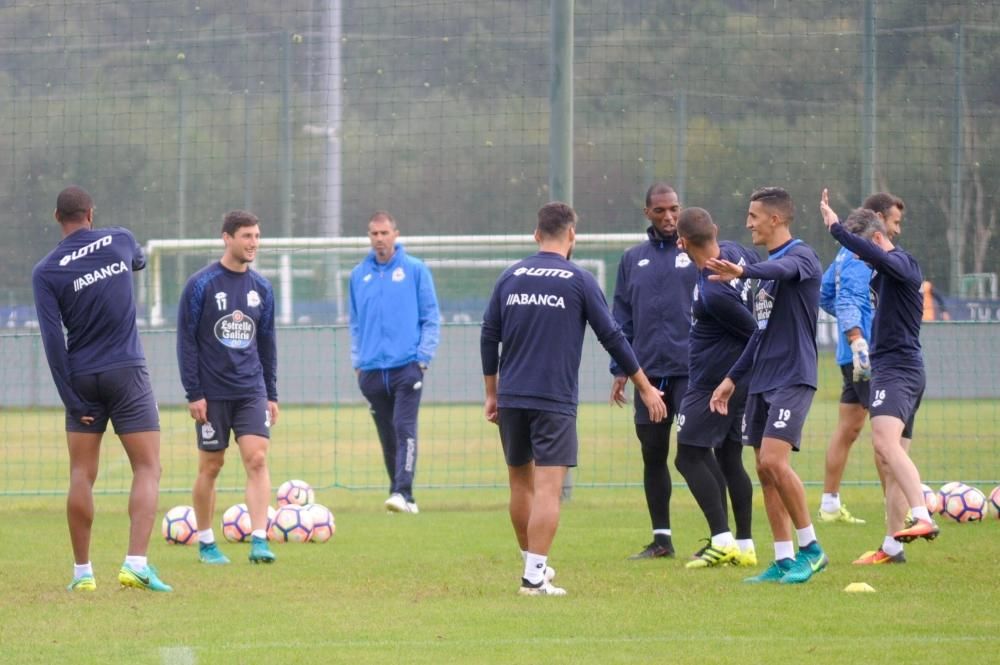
x=395 y=329
x=652 y=304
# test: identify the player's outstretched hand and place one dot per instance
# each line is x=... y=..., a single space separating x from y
x=653 y=399
x=719 y=402
x=829 y=216
x=725 y=271
x=862 y=370
x=618 y=391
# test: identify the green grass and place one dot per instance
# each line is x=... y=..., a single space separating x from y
x=440 y=587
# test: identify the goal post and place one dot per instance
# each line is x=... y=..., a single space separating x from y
x=326 y=263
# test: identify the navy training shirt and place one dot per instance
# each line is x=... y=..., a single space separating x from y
x=721 y=320
x=538 y=313
x=226 y=347
x=652 y=303
x=782 y=351
x=85 y=285
x=898 y=303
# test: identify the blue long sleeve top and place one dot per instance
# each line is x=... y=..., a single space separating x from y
x=85 y=285
x=896 y=282
x=846 y=294
x=537 y=315
x=226 y=346
x=394 y=315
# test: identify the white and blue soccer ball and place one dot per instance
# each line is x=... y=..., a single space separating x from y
x=179 y=526
x=297 y=492
x=965 y=504
x=291 y=524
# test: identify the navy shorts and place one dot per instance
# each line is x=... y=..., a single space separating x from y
x=124 y=396
x=698 y=426
x=545 y=437
x=854 y=392
x=673 y=389
x=242 y=417
x=777 y=414
x=897 y=393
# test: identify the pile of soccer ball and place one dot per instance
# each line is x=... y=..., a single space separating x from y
x=961 y=502
x=298 y=519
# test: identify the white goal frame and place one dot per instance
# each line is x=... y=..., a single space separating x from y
x=354 y=248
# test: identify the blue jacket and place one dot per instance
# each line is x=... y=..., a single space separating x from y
x=653 y=295
x=394 y=312
x=845 y=294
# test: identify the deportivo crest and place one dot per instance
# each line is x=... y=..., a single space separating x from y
x=253 y=298
x=682 y=260
x=398 y=275
x=236 y=330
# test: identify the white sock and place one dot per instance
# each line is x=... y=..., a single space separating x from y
x=806 y=535
x=783 y=550
x=524 y=555
x=136 y=562
x=891 y=546
x=920 y=513
x=745 y=545
x=724 y=539
x=81 y=569
x=661 y=532
x=534 y=568
x=830 y=503
x=206 y=536
x=259 y=533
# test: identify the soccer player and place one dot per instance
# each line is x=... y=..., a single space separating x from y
x=537 y=313
x=395 y=329
x=844 y=293
x=898 y=377
x=228 y=361
x=85 y=286
x=652 y=304
x=781 y=359
x=709 y=445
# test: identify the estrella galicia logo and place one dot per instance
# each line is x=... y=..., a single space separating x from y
x=236 y=330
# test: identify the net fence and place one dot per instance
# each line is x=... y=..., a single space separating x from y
x=313 y=113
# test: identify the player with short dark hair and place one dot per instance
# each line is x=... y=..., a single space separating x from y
x=781 y=359
x=898 y=376
x=652 y=304
x=538 y=313
x=228 y=359
x=395 y=329
x=709 y=445
x=85 y=286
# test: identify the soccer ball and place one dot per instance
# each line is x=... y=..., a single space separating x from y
x=180 y=526
x=932 y=500
x=995 y=502
x=297 y=492
x=323 y=524
x=236 y=523
x=965 y=504
x=291 y=524
x=946 y=490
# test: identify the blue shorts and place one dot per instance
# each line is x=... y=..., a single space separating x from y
x=897 y=393
x=698 y=426
x=545 y=437
x=124 y=396
x=854 y=392
x=777 y=414
x=243 y=417
x=673 y=389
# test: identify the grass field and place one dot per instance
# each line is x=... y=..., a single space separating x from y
x=439 y=587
